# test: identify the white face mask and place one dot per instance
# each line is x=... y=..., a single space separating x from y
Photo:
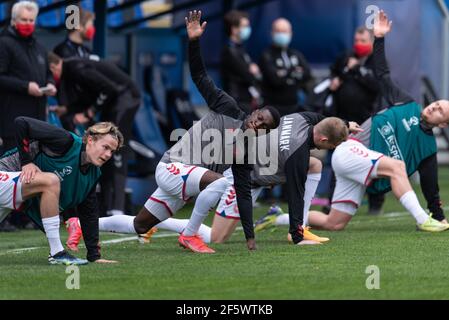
x=245 y=33
x=282 y=39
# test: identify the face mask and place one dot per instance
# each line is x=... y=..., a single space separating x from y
x=363 y=50
x=282 y=39
x=245 y=33
x=90 y=33
x=25 y=29
x=57 y=79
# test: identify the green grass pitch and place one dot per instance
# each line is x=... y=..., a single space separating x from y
x=412 y=264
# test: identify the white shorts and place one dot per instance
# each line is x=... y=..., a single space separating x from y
x=355 y=167
x=227 y=207
x=10 y=193
x=177 y=183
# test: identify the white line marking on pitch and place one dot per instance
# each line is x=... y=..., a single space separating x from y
x=106 y=242
x=389 y=216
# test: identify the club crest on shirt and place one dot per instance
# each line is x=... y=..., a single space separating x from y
x=64 y=172
x=413 y=121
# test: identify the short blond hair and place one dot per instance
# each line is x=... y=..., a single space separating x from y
x=334 y=129
x=19 y=6
x=102 y=129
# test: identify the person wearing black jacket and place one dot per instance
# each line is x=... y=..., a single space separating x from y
x=355 y=89
x=74 y=160
x=23 y=71
x=284 y=70
x=181 y=175
x=88 y=86
x=354 y=85
x=395 y=143
x=240 y=76
x=73 y=45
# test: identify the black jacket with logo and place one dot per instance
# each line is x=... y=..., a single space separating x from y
x=355 y=99
x=281 y=79
x=69 y=49
x=22 y=60
x=87 y=83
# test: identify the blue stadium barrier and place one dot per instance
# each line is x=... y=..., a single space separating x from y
x=88 y=5
x=115 y=18
x=52 y=117
x=138 y=13
x=3 y=13
x=49 y=19
x=146 y=128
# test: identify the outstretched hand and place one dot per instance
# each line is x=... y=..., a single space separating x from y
x=381 y=25
x=194 y=28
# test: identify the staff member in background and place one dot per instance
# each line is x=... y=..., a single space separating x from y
x=87 y=86
x=241 y=77
x=355 y=90
x=74 y=44
x=284 y=70
x=23 y=72
x=353 y=82
x=23 y=75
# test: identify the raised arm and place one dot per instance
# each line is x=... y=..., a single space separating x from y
x=217 y=100
x=389 y=91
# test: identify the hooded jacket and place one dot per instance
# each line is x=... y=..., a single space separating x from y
x=22 y=60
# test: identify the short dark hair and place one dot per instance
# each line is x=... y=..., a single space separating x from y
x=275 y=114
x=363 y=29
x=53 y=58
x=232 y=19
